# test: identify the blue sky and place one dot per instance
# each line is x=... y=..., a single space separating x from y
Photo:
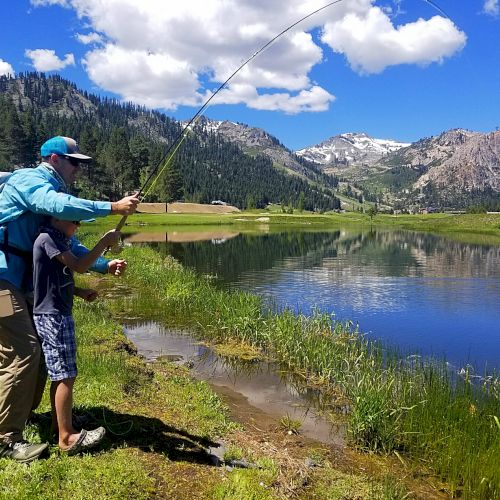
x=395 y=69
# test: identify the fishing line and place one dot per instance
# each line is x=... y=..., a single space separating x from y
x=165 y=159
x=179 y=139
x=438 y=8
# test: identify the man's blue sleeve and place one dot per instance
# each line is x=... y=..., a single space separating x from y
x=38 y=195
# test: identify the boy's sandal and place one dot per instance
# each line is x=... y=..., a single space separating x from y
x=86 y=440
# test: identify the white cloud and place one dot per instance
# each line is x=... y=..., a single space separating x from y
x=371 y=43
x=154 y=80
x=312 y=99
x=169 y=56
x=491 y=7
x=46 y=59
x=89 y=38
x=6 y=68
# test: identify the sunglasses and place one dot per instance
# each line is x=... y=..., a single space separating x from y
x=75 y=162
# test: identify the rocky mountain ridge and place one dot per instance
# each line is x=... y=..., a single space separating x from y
x=348 y=149
x=253 y=140
x=450 y=169
x=473 y=165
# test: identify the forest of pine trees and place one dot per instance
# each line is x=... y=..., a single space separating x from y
x=127 y=142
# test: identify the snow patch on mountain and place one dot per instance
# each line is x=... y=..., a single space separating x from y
x=350 y=148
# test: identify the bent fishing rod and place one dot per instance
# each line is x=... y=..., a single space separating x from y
x=179 y=139
x=182 y=134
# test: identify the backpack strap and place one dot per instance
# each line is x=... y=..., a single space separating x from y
x=27 y=256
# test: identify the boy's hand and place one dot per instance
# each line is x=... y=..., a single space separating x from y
x=87 y=294
x=111 y=238
x=117 y=266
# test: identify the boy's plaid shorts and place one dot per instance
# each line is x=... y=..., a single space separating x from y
x=57 y=334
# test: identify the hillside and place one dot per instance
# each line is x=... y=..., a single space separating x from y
x=127 y=142
x=255 y=141
x=241 y=165
x=455 y=169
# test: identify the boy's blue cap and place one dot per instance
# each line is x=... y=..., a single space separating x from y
x=63 y=146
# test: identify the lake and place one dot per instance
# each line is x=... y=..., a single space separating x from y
x=419 y=292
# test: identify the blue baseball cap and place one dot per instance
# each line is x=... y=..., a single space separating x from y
x=63 y=146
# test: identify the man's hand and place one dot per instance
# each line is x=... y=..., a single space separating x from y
x=126 y=205
x=117 y=266
x=86 y=294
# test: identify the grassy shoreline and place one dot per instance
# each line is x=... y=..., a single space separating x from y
x=406 y=406
x=161 y=420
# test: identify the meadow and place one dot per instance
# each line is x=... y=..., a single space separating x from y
x=437 y=433
x=472 y=228
x=411 y=407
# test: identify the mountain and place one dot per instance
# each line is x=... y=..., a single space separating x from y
x=127 y=142
x=455 y=169
x=460 y=159
x=344 y=150
x=255 y=141
x=241 y=165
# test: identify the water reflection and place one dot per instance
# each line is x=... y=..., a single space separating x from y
x=214 y=236
x=259 y=382
x=415 y=290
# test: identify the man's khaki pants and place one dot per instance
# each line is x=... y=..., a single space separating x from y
x=22 y=370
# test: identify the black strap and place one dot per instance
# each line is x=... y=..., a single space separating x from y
x=23 y=254
x=8 y=249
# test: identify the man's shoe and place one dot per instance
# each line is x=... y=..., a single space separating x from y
x=22 y=451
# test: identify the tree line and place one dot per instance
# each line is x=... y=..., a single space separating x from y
x=127 y=142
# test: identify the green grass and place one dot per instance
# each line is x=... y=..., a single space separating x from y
x=163 y=412
x=116 y=474
x=339 y=485
x=397 y=405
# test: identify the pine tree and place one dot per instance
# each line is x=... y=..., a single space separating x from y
x=119 y=163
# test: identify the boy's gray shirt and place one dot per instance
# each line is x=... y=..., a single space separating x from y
x=53 y=282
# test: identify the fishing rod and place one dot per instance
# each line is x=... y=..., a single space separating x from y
x=179 y=139
x=182 y=134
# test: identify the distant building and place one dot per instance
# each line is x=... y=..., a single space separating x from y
x=429 y=210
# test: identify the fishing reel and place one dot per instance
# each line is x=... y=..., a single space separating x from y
x=117 y=249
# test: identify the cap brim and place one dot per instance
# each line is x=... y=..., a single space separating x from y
x=79 y=156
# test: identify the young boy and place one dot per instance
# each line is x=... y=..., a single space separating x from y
x=53 y=266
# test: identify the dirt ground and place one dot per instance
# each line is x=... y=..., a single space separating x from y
x=185 y=208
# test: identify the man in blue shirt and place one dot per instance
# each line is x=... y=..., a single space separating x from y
x=27 y=198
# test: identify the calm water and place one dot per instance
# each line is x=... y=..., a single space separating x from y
x=260 y=383
x=417 y=291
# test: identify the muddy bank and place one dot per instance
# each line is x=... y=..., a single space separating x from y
x=256 y=391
